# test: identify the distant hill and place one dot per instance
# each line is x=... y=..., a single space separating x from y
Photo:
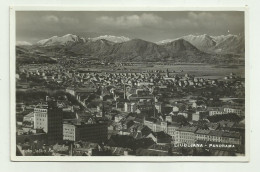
x=230 y=44
x=25 y=56
x=137 y=50
x=224 y=44
x=203 y=42
x=195 y=49
x=182 y=50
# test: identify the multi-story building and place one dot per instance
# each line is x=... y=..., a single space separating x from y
x=232 y=138
x=48 y=117
x=171 y=128
x=91 y=132
x=185 y=135
x=130 y=107
x=225 y=110
x=159 y=126
x=233 y=110
x=218 y=136
x=127 y=107
x=191 y=135
x=70 y=132
x=215 y=112
x=202 y=135
x=195 y=117
x=76 y=91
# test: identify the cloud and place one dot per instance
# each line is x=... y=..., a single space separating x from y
x=51 y=18
x=149 y=25
x=198 y=20
x=131 y=21
x=69 y=20
x=64 y=20
x=213 y=20
x=202 y=16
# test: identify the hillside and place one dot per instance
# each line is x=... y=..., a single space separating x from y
x=187 y=49
x=224 y=44
x=25 y=56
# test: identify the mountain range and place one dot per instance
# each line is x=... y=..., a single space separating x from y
x=224 y=44
x=201 y=48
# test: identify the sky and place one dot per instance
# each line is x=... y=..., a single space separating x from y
x=32 y=26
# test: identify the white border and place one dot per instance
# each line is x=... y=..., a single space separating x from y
x=13 y=9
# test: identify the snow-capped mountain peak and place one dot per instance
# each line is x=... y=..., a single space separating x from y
x=200 y=41
x=111 y=38
x=165 y=41
x=190 y=38
x=56 y=40
x=216 y=44
x=23 y=43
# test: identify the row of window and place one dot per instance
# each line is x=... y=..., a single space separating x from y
x=68 y=132
x=39 y=123
x=67 y=129
x=217 y=138
x=41 y=115
x=186 y=137
x=40 y=110
x=206 y=139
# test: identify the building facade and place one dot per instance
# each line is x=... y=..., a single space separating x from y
x=130 y=107
x=164 y=126
x=96 y=132
x=233 y=110
x=49 y=118
x=218 y=136
x=185 y=135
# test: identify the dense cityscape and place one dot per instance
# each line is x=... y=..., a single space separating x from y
x=73 y=108
x=129 y=83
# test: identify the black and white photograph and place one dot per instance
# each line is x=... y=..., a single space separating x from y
x=129 y=85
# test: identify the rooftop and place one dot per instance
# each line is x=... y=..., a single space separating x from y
x=202 y=131
x=188 y=129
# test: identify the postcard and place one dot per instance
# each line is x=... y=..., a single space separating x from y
x=129 y=84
